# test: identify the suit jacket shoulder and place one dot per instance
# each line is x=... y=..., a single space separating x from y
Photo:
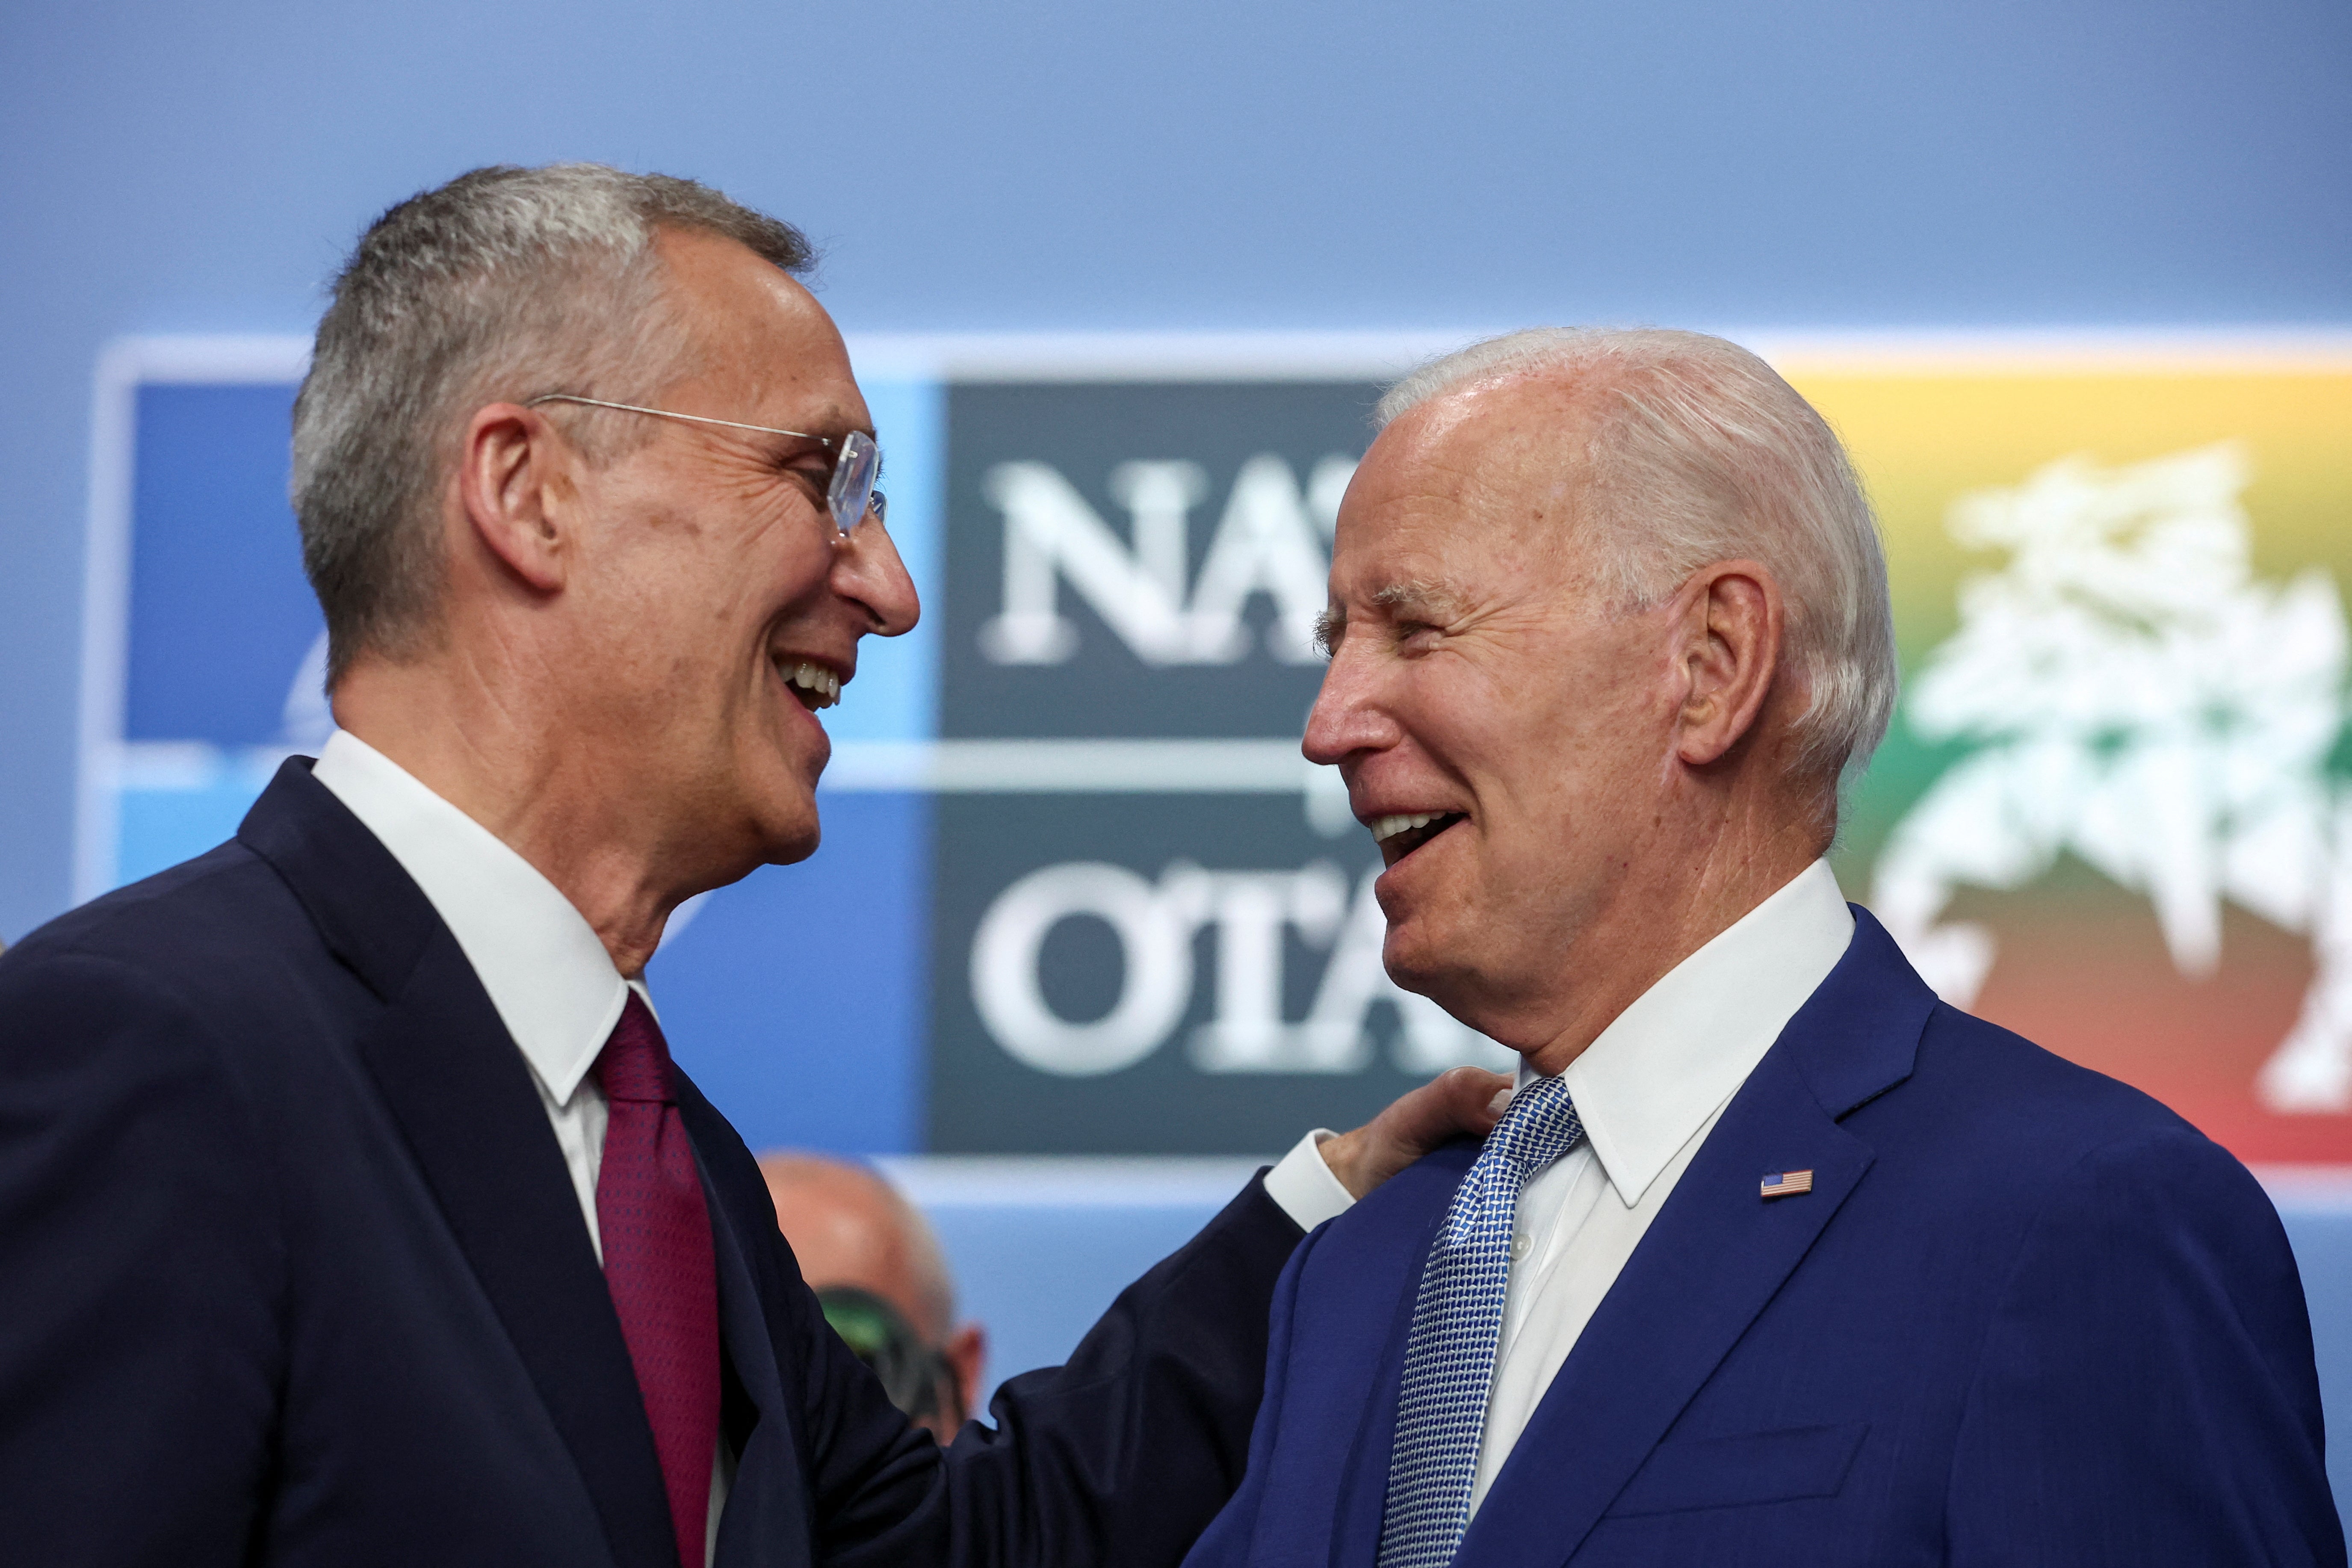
x=244 y=1290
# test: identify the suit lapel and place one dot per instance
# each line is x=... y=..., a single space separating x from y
x=1716 y=1254
x=1712 y=1259
x=463 y=1098
x=767 y=1519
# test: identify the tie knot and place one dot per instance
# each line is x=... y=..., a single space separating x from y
x=634 y=1062
x=1539 y=1127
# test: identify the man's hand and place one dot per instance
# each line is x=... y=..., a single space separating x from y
x=1464 y=1101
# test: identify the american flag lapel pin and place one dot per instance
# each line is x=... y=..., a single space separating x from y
x=1787 y=1184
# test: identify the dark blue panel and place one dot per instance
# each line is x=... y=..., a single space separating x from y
x=220 y=614
x=797 y=997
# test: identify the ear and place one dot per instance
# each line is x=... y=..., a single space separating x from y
x=1731 y=625
x=514 y=474
x=965 y=1353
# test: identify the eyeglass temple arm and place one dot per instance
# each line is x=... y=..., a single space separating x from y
x=666 y=414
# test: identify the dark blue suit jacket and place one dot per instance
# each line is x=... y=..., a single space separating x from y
x=291 y=1272
x=2026 y=1315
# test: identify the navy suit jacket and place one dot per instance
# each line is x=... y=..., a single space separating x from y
x=2026 y=1315
x=294 y=1274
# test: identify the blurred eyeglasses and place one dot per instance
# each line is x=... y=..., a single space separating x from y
x=856 y=464
x=911 y=1372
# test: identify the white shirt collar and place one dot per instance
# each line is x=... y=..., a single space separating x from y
x=1669 y=1061
x=548 y=975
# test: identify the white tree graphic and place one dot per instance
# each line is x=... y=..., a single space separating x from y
x=2133 y=693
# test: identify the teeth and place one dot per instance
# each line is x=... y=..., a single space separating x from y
x=1386 y=828
x=815 y=677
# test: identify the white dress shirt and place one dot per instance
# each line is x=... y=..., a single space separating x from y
x=1648 y=1091
x=546 y=970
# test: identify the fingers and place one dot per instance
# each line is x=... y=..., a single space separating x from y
x=1464 y=1101
x=1474 y=1098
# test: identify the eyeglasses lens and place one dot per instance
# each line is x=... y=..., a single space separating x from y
x=852 y=491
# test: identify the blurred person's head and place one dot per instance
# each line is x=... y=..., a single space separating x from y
x=656 y=605
x=1609 y=621
x=877 y=1270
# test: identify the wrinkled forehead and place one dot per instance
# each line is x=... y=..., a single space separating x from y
x=1464 y=490
x=1522 y=437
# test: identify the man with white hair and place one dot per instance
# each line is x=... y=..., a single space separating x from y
x=351 y=1210
x=1773 y=1259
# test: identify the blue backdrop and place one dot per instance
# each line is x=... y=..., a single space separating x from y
x=1220 y=164
x=1819 y=163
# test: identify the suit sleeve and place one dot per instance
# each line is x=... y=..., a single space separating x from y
x=1121 y=1456
x=139 y=1352
x=2146 y=1394
x=1226 y=1542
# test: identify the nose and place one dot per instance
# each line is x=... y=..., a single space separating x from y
x=1347 y=717
x=866 y=570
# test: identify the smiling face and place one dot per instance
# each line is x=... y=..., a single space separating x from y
x=1505 y=735
x=715 y=608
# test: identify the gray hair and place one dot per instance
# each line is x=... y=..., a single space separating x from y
x=504 y=283
x=1700 y=453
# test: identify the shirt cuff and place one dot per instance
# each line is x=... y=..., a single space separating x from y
x=1304 y=1185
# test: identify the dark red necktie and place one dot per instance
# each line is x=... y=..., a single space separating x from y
x=659 y=1266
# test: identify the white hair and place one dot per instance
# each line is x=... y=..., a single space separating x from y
x=1700 y=452
x=503 y=284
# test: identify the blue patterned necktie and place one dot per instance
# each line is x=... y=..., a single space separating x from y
x=1457 y=1322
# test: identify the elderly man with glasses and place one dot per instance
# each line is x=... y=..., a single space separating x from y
x=350 y=1208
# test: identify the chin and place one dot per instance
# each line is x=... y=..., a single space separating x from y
x=788 y=846
x=1412 y=960
x=787 y=826
x=1434 y=965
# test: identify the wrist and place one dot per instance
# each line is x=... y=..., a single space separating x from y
x=1343 y=1153
x=1303 y=1184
